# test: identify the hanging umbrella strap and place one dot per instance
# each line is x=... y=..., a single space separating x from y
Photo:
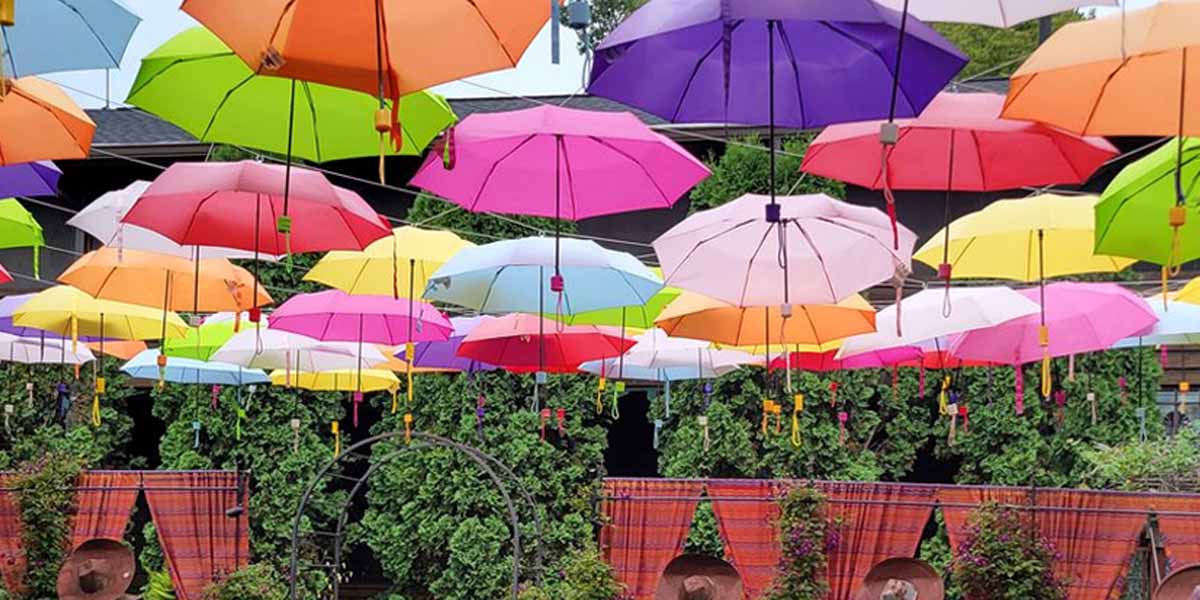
x=702 y=421
x=797 y=408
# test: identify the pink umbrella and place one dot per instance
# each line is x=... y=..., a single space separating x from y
x=820 y=251
x=1078 y=318
x=335 y=316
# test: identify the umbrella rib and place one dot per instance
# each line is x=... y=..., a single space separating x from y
x=511 y=61
x=639 y=165
x=750 y=264
x=312 y=110
x=821 y=259
x=978 y=156
x=1129 y=197
x=872 y=52
x=86 y=23
x=570 y=180
x=12 y=59
x=212 y=119
x=695 y=70
x=1099 y=95
x=812 y=326
x=704 y=241
x=53 y=113
x=787 y=45
x=487 y=296
x=492 y=170
x=195 y=213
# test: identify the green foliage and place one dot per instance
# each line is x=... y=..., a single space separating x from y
x=441 y=524
x=807 y=536
x=45 y=500
x=998 y=52
x=158 y=586
x=704 y=538
x=481 y=228
x=580 y=575
x=255 y=582
x=1167 y=465
x=606 y=15
x=1004 y=557
x=744 y=168
x=936 y=551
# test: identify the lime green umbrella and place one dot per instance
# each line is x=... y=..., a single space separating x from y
x=200 y=343
x=18 y=229
x=196 y=82
x=636 y=317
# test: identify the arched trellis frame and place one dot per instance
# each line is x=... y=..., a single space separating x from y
x=501 y=476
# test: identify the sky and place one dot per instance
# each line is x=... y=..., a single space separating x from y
x=535 y=75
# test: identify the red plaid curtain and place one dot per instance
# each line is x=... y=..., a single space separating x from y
x=12 y=559
x=200 y=543
x=957 y=503
x=1095 y=546
x=749 y=529
x=1180 y=534
x=878 y=521
x=647 y=525
x=104 y=501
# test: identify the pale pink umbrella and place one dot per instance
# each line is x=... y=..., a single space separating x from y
x=819 y=251
x=1079 y=318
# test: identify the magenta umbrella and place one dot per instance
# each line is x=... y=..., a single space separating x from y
x=335 y=316
x=1079 y=317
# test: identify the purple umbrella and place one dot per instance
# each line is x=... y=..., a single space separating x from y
x=29 y=179
x=444 y=355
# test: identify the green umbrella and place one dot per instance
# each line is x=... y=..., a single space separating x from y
x=196 y=82
x=202 y=342
x=18 y=229
x=1134 y=216
x=638 y=317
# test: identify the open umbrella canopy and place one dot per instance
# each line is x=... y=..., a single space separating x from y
x=831 y=249
x=196 y=82
x=1002 y=241
x=1118 y=75
x=1131 y=217
x=102 y=219
x=5 y=276
x=188 y=371
x=334 y=315
x=527 y=343
x=124 y=349
x=995 y=13
x=658 y=357
x=37 y=351
x=18 y=229
x=708 y=61
x=1178 y=324
x=1082 y=317
x=274 y=349
x=399 y=265
x=444 y=355
x=236 y=205
x=924 y=317
x=38 y=121
x=66 y=35
x=340 y=380
x=337 y=43
x=558 y=162
x=201 y=342
x=958 y=143
x=1189 y=293
x=30 y=179
x=827 y=362
x=160 y=280
x=505 y=276
x=636 y=317
x=69 y=312
x=702 y=318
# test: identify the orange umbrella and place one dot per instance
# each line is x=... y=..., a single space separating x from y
x=1137 y=76
x=123 y=350
x=38 y=121
x=150 y=279
x=699 y=317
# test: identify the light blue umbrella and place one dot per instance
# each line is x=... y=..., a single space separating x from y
x=506 y=277
x=186 y=370
x=1178 y=324
x=66 y=35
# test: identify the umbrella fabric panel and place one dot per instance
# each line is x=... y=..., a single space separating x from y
x=66 y=35
x=38 y=121
x=29 y=179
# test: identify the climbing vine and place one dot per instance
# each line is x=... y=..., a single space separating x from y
x=1004 y=557
x=807 y=537
x=45 y=500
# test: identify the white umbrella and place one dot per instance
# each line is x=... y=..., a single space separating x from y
x=272 y=349
x=995 y=13
x=924 y=317
x=35 y=351
x=102 y=220
x=1178 y=324
x=658 y=357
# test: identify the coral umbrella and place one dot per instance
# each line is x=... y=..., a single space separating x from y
x=399 y=265
x=163 y=281
x=515 y=342
x=38 y=121
x=122 y=349
x=827 y=362
x=821 y=251
x=30 y=179
x=65 y=35
x=994 y=13
x=702 y=318
x=444 y=355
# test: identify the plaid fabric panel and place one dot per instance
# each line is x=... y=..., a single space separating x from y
x=647 y=523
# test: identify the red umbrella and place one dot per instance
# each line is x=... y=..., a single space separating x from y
x=236 y=205
x=4 y=276
x=513 y=342
x=826 y=362
x=944 y=360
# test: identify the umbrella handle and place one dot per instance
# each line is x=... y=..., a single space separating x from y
x=336 y=429
x=702 y=420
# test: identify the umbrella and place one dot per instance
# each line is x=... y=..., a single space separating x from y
x=505 y=276
x=10 y=304
x=925 y=318
x=34 y=351
x=339 y=380
x=197 y=83
x=398 y=265
x=18 y=229
x=334 y=315
x=1189 y=293
x=30 y=179
x=698 y=317
x=202 y=341
x=826 y=362
x=655 y=356
x=274 y=349
x=516 y=343
x=67 y=311
x=1085 y=317
x=994 y=13
x=164 y=281
x=396 y=365
x=123 y=350
x=444 y=355
x=65 y=35
x=836 y=250
x=637 y=317
x=186 y=370
x=38 y=121
x=102 y=219
x=1178 y=324
x=5 y=277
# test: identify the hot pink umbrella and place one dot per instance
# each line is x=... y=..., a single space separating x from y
x=335 y=316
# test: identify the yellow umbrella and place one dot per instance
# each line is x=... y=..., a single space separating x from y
x=341 y=380
x=702 y=318
x=399 y=265
x=1189 y=293
x=1023 y=240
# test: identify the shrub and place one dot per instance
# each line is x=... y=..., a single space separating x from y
x=1005 y=557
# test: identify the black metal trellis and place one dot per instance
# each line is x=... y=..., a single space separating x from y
x=501 y=476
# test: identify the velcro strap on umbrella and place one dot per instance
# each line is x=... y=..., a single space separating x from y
x=560 y=418
x=29 y=391
x=766 y=416
x=658 y=423
x=96 y=410
x=196 y=434
x=702 y=420
x=1071 y=368
x=600 y=385
x=616 y=405
x=336 y=428
x=833 y=390
x=885 y=153
x=966 y=419
x=667 y=397
x=1162 y=356
x=921 y=380
x=74 y=334
x=797 y=408
x=395 y=399
x=1019 y=388
x=1091 y=397
x=8 y=413
x=216 y=396
x=543 y=417
x=237 y=425
x=411 y=353
x=77 y=372
x=1060 y=402
x=295 y=423
x=952 y=409
x=355 y=399
x=843 y=417
x=1044 y=340
x=943 y=397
